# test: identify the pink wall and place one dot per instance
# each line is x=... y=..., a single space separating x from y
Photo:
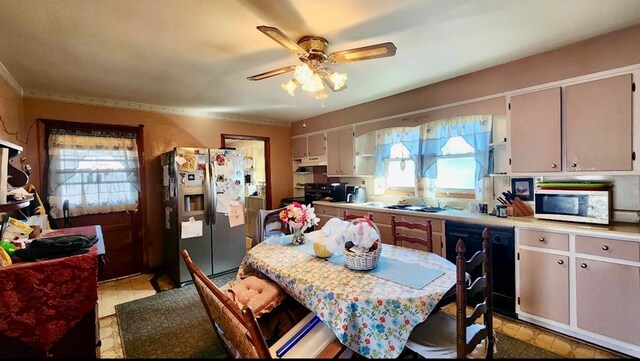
x=162 y=132
x=11 y=113
x=609 y=51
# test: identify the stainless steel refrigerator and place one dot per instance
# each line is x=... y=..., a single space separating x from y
x=203 y=191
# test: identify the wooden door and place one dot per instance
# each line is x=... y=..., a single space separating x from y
x=124 y=233
x=299 y=147
x=543 y=287
x=333 y=153
x=599 y=125
x=315 y=145
x=536 y=131
x=607 y=299
x=347 y=163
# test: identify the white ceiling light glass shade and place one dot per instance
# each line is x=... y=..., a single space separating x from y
x=338 y=80
x=302 y=73
x=314 y=84
x=290 y=87
x=320 y=95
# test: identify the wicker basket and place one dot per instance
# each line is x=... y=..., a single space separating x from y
x=363 y=261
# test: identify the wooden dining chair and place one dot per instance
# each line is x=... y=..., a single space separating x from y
x=446 y=336
x=239 y=332
x=348 y=216
x=399 y=239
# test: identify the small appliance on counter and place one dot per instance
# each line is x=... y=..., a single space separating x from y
x=357 y=195
x=338 y=192
x=586 y=202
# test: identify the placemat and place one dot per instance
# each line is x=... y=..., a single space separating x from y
x=407 y=274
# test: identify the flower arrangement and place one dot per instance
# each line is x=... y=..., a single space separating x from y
x=299 y=217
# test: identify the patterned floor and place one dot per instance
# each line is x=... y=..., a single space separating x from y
x=129 y=289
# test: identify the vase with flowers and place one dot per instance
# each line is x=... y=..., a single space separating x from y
x=299 y=217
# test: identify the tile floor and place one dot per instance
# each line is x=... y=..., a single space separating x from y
x=128 y=289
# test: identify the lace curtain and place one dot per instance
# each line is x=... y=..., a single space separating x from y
x=385 y=138
x=97 y=172
x=476 y=130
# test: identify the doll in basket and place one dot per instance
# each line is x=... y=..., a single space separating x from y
x=361 y=236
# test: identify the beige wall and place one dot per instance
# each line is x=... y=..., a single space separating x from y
x=11 y=113
x=162 y=132
x=609 y=51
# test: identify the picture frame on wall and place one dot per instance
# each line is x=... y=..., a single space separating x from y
x=522 y=188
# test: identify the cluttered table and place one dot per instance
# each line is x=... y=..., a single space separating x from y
x=372 y=312
x=41 y=301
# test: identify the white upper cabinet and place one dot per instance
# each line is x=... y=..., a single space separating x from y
x=536 y=131
x=310 y=146
x=315 y=145
x=340 y=153
x=599 y=125
x=299 y=147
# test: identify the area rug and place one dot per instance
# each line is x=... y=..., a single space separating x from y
x=174 y=324
x=169 y=324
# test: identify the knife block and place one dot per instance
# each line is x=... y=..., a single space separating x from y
x=519 y=208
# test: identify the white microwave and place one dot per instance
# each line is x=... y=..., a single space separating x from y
x=587 y=206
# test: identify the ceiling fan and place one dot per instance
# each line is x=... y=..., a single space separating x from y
x=312 y=52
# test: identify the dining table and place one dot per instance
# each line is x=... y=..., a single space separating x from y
x=371 y=312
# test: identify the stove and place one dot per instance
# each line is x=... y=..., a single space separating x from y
x=316 y=192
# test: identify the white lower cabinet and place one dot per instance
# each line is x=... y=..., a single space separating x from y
x=588 y=289
x=608 y=299
x=544 y=285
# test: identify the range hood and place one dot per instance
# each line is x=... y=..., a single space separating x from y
x=313 y=161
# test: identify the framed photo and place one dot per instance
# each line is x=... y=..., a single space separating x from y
x=522 y=188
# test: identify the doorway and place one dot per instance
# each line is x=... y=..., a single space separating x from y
x=256 y=151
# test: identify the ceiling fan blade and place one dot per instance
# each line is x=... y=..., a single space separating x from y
x=367 y=52
x=271 y=73
x=282 y=39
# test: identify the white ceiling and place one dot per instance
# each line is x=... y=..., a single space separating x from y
x=196 y=54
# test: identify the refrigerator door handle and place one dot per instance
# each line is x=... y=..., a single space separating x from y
x=207 y=195
x=214 y=197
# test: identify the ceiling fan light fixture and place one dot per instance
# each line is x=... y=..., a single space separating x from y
x=314 y=84
x=290 y=87
x=320 y=95
x=338 y=80
x=303 y=73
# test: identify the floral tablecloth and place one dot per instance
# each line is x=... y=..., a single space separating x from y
x=370 y=315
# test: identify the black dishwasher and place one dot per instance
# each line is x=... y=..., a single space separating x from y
x=504 y=266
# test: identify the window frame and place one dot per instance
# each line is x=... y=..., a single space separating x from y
x=456 y=192
x=398 y=190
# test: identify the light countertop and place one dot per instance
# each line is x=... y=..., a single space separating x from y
x=630 y=231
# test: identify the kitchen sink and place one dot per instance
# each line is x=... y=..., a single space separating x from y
x=409 y=207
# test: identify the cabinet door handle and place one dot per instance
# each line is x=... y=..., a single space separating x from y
x=605 y=248
x=560 y=261
x=541 y=239
x=574 y=165
x=583 y=265
x=553 y=165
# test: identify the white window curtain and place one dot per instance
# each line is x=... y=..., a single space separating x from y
x=385 y=139
x=476 y=130
x=97 y=172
